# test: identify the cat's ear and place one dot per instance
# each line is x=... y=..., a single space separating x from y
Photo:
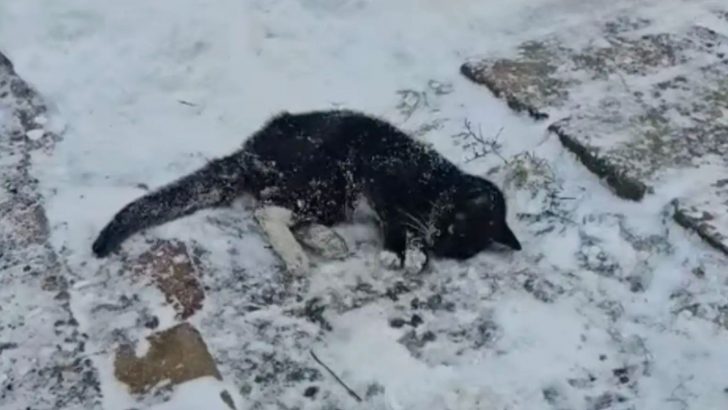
x=505 y=236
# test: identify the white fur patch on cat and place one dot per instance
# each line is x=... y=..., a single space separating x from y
x=414 y=261
x=276 y=222
x=389 y=260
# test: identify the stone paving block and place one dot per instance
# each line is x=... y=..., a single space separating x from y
x=678 y=123
x=529 y=83
x=43 y=358
x=175 y=355
x=633 y=103
x=172 y=268
x=546 y=73
x=707 y=214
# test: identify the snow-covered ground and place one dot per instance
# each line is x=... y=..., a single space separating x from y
x=609 y=306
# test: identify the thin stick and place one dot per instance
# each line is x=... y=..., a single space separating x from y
x=187 y=103
x=331 y=372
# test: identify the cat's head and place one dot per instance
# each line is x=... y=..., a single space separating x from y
x=477 y=220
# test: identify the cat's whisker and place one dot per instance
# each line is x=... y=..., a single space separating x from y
x=414 y=219
x=418 y=226
x=427 y=230
x=417 y=229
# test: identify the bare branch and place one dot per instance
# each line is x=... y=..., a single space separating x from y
x=351 y=392
x=479 y=145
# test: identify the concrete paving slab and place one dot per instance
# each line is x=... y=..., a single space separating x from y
x=635 y=104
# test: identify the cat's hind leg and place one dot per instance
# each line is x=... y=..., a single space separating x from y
x=276 y=223
x=322 y=240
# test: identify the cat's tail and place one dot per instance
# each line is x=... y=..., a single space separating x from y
x=216 y=184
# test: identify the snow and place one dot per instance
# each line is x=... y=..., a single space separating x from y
x=147 y=91
x=195 y=395
x=35 y=134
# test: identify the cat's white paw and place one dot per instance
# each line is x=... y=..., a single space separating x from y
x=275 y=223
x=389 y=260
x=414 y=261
x=296 y=261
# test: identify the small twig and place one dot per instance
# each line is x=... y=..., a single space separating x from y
x=187 y=103
x=624 y=83
x=7 y=346
x=407 y=107
x=680 y=400
x=478 y=144
x=351 y=392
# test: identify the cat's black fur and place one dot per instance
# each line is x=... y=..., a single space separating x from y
x=317 y=164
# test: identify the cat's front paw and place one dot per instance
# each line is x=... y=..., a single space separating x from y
x=296 y=261
x=415 y=261
x=389 y=260
x=275 y=222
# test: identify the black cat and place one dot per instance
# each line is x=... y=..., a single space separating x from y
x=316 y=165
